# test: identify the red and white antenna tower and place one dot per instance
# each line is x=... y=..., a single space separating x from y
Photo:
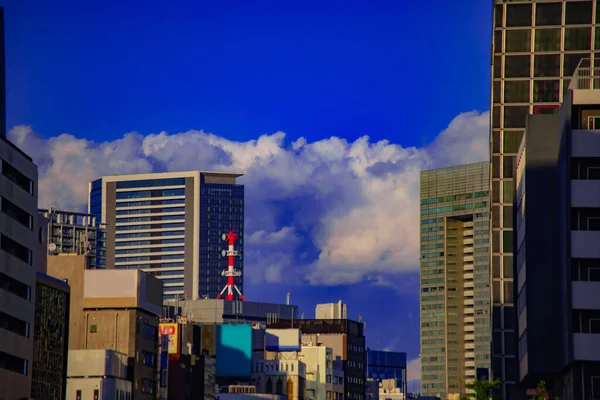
x=230 y=272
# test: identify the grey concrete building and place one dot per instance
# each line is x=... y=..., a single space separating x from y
x=557 y=268
x=537 y=44
x=70 y=232
x=171 y=225
x=455 y=281
x=19 y=237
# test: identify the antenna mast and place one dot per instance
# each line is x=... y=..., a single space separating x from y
x=230 y=272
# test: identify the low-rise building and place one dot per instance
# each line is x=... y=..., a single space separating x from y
x=324 y=376
x=280 y=377
x=97 y=374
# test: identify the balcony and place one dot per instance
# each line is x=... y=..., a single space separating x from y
x=585 y=295
x=584 y=244
x=585 y=193
x=586 y=347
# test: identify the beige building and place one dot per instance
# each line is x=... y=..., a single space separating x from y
x=324 y=374
x=116 y=310
x=19 y=244
x=100 y=374
x=337 y=310
x=280 y=377
x=455 y=281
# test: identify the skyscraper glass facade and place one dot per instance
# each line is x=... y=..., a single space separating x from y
x=221 y=209
x=455 y=292
x=536 y=47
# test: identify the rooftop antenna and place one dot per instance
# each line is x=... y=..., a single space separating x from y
x=288 y=296
x=230 y=272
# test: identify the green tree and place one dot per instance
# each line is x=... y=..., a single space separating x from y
x=482 y=388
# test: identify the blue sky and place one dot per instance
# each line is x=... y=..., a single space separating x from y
x=396 y=71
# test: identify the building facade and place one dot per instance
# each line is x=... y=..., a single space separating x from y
x=171 y=225
x=455 y=292
x=50 y=338
x=558 y=259
x=280 y=377
x=536 y=47
x=75 y=233
x=19 y=237
x=385 y=365
x=324 y=374
x=347 y=340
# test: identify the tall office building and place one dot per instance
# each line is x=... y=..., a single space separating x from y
x=19 y=236
x=536 y=47
x=171 y=225
x=558 y=257
x=455 y=292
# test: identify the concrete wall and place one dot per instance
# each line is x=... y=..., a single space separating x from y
x=107 y=388
x=12 y=384
x=97 y=363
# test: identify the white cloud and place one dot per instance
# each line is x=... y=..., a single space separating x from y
x=353 y=206
x=413 y=375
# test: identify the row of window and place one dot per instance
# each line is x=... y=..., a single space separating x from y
x=150 y=258
x=16 y=249
x=152 y=266
x=457 y=197
x=149 y=183
x=149 y=250
x=149 y=242
x=150 y=211
x=544 y=66
x=148 y=218
x=145 y=203
x=17 y=177
x=150 y=235
x=545 y=14
x=13 y=363
x=150 y=193
x=16 y=213
x=519 y=41
x=150 y=226
x=15 y=287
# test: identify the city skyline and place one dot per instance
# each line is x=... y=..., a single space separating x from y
x=313 y=197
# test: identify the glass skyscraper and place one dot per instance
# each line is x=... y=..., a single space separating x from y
x=171 y=225
x=455 y=281
x=536 y=47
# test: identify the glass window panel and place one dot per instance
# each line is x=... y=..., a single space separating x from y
x=496 y=219
x=578 y=38
x=518 y=15
x=547 y=40
x=597 y=37
x=571 y=62
x=507 y=241
x=496 y=142
x=508 y=166
x=597 y=15
x=498 y=43
x=507 y=216
x=497 y=67
x=496 y=116
x=517 y=66
x=499 y=15
x=512 y=141
x=496 y=167
x=548 y=14
x=516 y=91
x=514 y=117
x=518 y=41
x=496 y=292
x=496 y=259
x=546 y=66
x=546 y=91
x=509 y=296
x=507 y=267
x=497 y=89
x=496 y=192
x=508 y=192
x=578 y=13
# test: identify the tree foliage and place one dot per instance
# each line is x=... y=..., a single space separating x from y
x=482 y=388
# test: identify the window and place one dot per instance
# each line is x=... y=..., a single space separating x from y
x=15 y=249
x=518 y=15
x=548 y=14
x=498 y=44
x=508 y=266
x=547 y=40
x=514 y=117
x=497 y=67
x=497 y=89
x=18 y=178
x=507 y=241
x=511 y=143
x=150 y=332
x=96 y=394
x=13 y=363
x=14 y=325
x=546 y=109
x=509 y=296
x=517 y=66
x=571 y=62
x=147 y=386
x=149 y=358
x=546 y=91
x=516 y=91
x=518 y=41
x=17 y=213
x=578 y=13
x=578 y=38
x=93 y=328
x=496 y=141
x=15 y=287
x=547 y=65
x=78 y=395
x=496 y=292
x=498 y=15
x=507 y=217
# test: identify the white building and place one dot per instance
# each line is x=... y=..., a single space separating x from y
x=280 y=377
x=324 y=376
x=331 y=311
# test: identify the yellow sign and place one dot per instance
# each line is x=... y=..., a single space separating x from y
x=172 y=330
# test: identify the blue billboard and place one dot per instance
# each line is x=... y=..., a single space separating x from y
x=234 y=350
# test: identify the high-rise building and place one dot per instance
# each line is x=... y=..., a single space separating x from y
x=386 y=365
x=536 y=47
x=2 y=78
x=455 y=292
x=75 y=233
x=557 y=218
x=171 y=225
